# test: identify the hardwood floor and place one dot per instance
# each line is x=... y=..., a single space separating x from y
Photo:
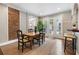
x=50 y=47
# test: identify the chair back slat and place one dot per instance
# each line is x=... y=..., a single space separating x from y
x=19 y=35
x=42 y=35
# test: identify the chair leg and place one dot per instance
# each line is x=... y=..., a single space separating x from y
x=18 y=45
x=73 y=44
x=39 y=41
x=44 y=38
x=42 y=41
x=22 y=47
x=33 y=42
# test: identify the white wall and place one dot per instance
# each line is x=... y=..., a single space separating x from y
x=77 y=46
x=23 y=22
x=3 y=23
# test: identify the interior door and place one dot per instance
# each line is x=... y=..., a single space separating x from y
x=13 y=23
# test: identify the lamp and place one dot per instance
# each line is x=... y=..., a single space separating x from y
x=74 y=26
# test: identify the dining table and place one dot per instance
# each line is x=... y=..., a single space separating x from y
x=31 y=36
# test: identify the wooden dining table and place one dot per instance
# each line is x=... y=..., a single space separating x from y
x=31 y=35
x=74 y=41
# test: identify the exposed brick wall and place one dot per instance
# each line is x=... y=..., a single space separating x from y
x=13 y=22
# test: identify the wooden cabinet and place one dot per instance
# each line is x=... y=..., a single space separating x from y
x=13 y=22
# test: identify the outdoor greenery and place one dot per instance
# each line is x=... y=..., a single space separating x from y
x=40 y=26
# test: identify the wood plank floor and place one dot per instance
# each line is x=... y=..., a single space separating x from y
x=50 y=47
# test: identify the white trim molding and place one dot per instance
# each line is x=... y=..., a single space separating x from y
x=77 y=53
x=8 y=42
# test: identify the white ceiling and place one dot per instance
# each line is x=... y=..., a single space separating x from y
x=42 y=9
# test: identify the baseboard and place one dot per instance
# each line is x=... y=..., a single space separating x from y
x=8 y=42
x=77 y=53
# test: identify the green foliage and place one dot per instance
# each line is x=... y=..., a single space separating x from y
x=40 y=26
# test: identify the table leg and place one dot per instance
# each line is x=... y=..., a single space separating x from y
x=65 y=44
x=30 y=42
x=73 y=44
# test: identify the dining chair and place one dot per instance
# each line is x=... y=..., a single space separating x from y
x=22 y=40
x=30 y=30
x=42 y=37
x=37 y=38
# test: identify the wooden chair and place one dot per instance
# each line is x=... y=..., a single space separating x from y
x=42 y=37
x=22 y=39
x=1 y=53
x=30 y=30
x=37 y=38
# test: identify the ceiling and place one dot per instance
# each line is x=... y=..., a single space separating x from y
x=43 y=9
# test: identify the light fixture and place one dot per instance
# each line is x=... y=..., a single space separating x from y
x=58 y=8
